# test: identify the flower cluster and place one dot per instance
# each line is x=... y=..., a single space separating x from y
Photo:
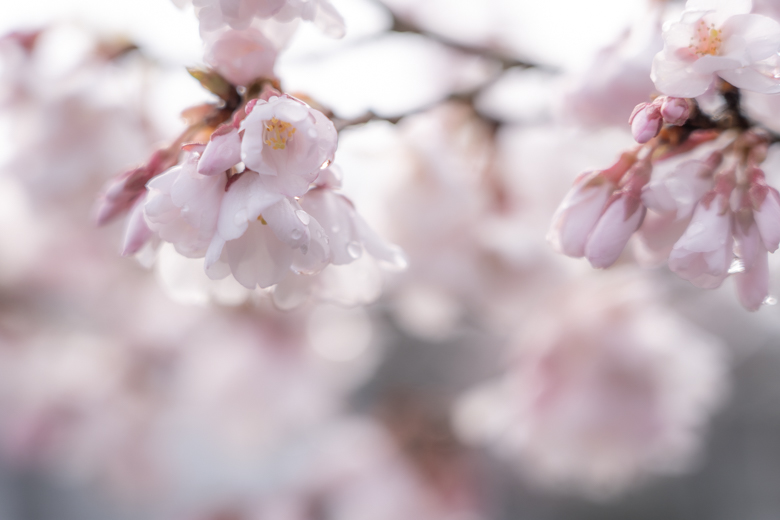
x=249 y=186
x=695 y=191
x=259 y=200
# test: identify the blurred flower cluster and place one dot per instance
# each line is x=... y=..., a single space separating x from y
x=315 y=275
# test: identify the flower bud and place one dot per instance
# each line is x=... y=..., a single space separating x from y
x=622 y=216
x=766 y=209
x=579 y=213
x=676 y=111
x=645 y=122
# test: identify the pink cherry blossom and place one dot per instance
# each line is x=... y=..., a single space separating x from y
x=239 y=14
x=261 y=234
x=608 y=386
x=753 y=281
x=617 y=79
x=137 y=231
x=285 y=137
x=121 y=193
x=241 y=57
x=646 y=122
x=621 y=218
x=676 y=111
x=704 y=252
x=717 y=38
x=222 y=152
x=679 y=188
x=348 y=233
x=579 y=213
x=182 y=207
x=320 y=12
x=766 y=210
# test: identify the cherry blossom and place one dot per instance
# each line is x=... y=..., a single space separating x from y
x=182 y=206
x=286 y=138
x=703 y=254
x=717 y=38
x=238 y=14
x=753 y=280
x=601 y=212
x=605 y=388
x=246 y=201
x=241 y=57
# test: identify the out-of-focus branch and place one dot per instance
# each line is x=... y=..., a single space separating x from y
x=405 y=25
x=467 y=97
x=507 y=62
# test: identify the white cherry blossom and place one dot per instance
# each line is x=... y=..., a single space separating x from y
x=239 y=14
x=284 y=137
x=182 y=207
x=718 y=38
x=241 y=56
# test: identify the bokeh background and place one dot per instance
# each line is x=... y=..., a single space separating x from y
x=492 y=379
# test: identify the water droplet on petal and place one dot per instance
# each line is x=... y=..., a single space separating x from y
x=770 y=300
x=303 y=217
x=336 y=228
x=185 y=209
x=304 y=249
x=240 y=218
x=354 y=250
x=737 y=266
x=296 y=234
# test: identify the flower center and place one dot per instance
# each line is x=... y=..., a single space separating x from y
x=277 y=133
x=706 y=40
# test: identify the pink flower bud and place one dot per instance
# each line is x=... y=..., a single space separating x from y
x=623 y=215
x=753 y=282
x=765 y=201
x=645 y=122
x=578 y=213
x=125 y=189
x=137 y=232
x=675 y=111
x=622 y=218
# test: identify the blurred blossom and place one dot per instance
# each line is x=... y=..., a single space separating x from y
x=351 y=469
x=606 y=388
x=617 y=79
x=89 y=126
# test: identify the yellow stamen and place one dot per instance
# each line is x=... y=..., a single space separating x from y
x=706 y=40
x=277 y=133
x=262 y=220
